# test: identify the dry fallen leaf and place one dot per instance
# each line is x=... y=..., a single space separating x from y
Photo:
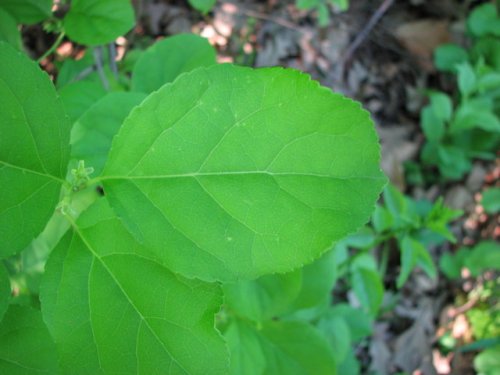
x=422 y=37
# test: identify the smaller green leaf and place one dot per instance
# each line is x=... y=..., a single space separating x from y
x=447 y=56
x=491 y=200
x=363 y=238
x=79 y=96
x=408 y=260
x=335 y=328
x=360 y=324
x=247 y=356
x=364 y=260
x=413 y=253
x=432 y=126
x=323 y=15
x=9 y=31
x=442 y=105
x=368 y=288
x=484 y=256
x=167 y=59
x=92 y=134
x=96 y=22
x=488 y=362
x=350 y=365
x=5 y=291
x=264 y=298
x=452 y=264
x=466 y=79
x=484 y=20
x=28 y=11
x=488 y=81
x=475 y=113
x=307 y=4
x=438 y=218
x=382 y=219
x=203 y=6
x=279 y=348
x=277 y=294
x=25 y=344
x=453 y=161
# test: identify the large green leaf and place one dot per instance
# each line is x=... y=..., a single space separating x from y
x=4 y=290
x=25 y=344
x=28 y=11
x=95 y=22
x=33 y=150
x=165 y=60
x=279 y=348
x=9 y=32
x=92 y=134
x=231 y=172
x=112 y=308
x=273 y=295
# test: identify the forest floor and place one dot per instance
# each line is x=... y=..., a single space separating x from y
x=380 y=53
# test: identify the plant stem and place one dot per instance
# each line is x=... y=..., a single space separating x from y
x=98 y=58
x=52 y=48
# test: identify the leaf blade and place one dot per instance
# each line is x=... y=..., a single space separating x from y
x=34 y=150
x=233 y=149
x=121 y=322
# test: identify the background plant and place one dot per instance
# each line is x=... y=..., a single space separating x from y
x=460 y=129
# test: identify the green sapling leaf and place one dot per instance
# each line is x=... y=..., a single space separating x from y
x=236 y=173
x=28 y=11
x=167 y=59
x=112 y=307
x=25 y=343
x=34 y=150
x=97 y=22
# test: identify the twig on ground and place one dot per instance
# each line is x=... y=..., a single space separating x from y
x=360 y=38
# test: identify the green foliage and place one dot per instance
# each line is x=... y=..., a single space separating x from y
x=488 y=362
x=8 y=29
x=95 y=22
x=165 y=60
x=461 y=129
x=321 y=7
x=27 y=11
x=491 y=200
x=260 y=159
x=94 y=130
x=483 y=256
x=203 y=6
x=34 y=150
x=26 y=346
x=412 y=226
x=224 y=173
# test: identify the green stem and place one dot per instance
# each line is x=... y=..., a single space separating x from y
x=52 y=48
x=384 y=260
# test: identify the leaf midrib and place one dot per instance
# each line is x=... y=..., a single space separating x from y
x=236 y=173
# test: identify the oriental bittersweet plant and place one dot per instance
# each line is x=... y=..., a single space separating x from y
x=224 y=176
